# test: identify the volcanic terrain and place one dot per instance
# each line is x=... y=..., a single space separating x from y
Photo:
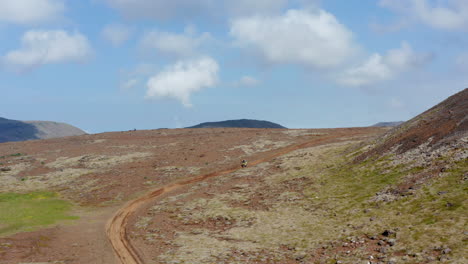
x=349 y=195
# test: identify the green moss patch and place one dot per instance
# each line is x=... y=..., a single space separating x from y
x=24 y=212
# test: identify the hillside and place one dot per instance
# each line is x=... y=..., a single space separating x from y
x=13 y=130
x=241 y=123
x=444 y=125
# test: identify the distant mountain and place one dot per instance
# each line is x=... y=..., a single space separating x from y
x=388 y=124
x=242 y=123
x=14 y=130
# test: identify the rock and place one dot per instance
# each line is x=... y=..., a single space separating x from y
x=383 y=250
x=388 y=233
x=444 y=258
x=381 y=243
x=5 y=169
x=446 y=251
x=391 y=242
x=300 y=256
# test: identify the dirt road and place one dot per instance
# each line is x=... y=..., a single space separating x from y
x=116 y=226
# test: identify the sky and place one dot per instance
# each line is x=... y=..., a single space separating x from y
x=116 y=65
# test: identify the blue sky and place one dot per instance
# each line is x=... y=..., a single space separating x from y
x=112 y=65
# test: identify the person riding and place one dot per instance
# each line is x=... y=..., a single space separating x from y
x=244 y=163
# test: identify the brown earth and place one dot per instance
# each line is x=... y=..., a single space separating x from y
x=443 y=124
x=99 y=173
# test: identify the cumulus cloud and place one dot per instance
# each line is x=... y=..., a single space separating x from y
x=45 y=47
x=116 y=34
x=182 y=79
x=183 y=9
x=314 y=39
x=173 y=44
x=445 y=15
x=384 y=67
x=30 y=11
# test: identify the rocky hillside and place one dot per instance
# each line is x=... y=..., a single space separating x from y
x=242 y=123
x=14 y=130
x=443 y=126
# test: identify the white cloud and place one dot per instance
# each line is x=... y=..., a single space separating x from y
x=183 y=78
x=314 y=39
x=445 y=15
x=30 y=11
x=382 y=68
x=44 y=47
x=184 y=9
x=116 y=34
x=248 y=81
x=173 y=44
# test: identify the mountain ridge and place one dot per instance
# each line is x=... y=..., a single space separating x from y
x=239 y=123
x=15 y=130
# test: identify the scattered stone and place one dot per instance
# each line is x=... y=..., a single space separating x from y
x=391 y=242
x=444 y=258
x=5 y=169
x=383 y=250
x=449 y=204
x=300 y=256
x=446 y=251
x=389 y=233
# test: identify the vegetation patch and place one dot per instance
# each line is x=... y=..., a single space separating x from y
x=25 y=212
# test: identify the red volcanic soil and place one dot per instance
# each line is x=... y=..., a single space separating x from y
x=170 y=156
x=442 y=124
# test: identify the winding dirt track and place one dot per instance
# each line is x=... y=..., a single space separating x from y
x=116 y=226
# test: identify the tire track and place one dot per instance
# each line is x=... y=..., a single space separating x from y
x=116 y=227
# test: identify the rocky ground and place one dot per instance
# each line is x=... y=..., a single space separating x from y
x=98 y=173
x=312 y=206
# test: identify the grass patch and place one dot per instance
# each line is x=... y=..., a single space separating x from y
x=24 y=212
